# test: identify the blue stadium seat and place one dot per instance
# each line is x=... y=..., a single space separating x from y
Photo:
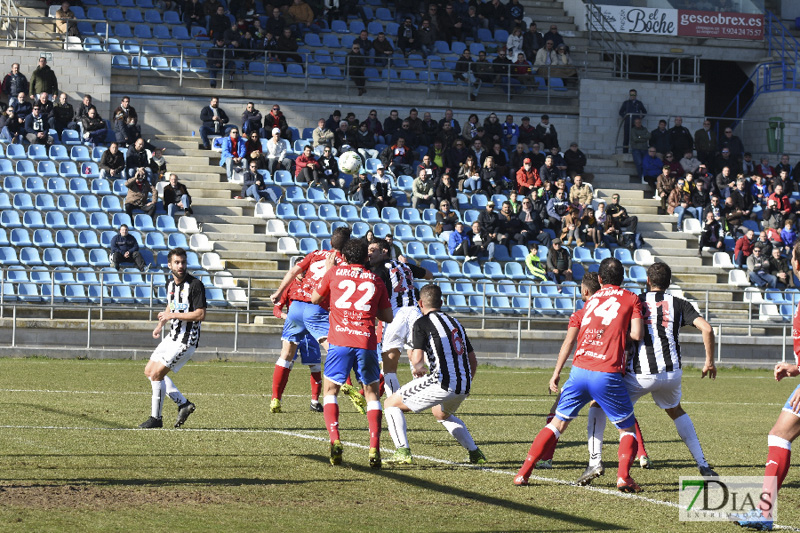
x=98 y=258
x=370 y=214
x=88 y=204
x=316 y=195
x=111 y=204
x=403 y=232
x=424 y=233
x=165 y=224
x=101 y=187
x=5 y=201
x=29 y=256
x=13 y=184
x=6 y=167
x=336 y=196
x=624 y=256
x=8 y=256
x=285 y=212
x=35 y=185
x=359 y=229
x=581 y=254
x=143 y=223
x=88 y=239
x=25 y=168
x=638 y=274
x=58 y=152
x=437 y=250
x=3 y=237
x=416 y=250
x=47 y=169
x=298 y=229
x=381 y=230
x=23 y=201
x=100 y=222
x=429 y=216
x=177 y=240
x=53 y=257
x=601 y=253
x=68 y=169
x=411 y=216
x=57 y=186
x=33 y=220
x=472 y=270
x=20 y=237
x=10 y=219
x=294 y=194
x=349 y=213
x=319 y=230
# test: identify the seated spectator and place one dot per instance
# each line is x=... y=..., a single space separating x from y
x=591 y=229
x=322 y=135
x=712 y=235
x=214 y=121
x=675 y=168
x=139 y=190
x=546 y=58
x=307 y=169
x=782 y=202
x=330 y=169
x=253 y=149
x=532 y=223
x=10 y=127
x=532 y=41
x=62 y=115
x=251 y=119
x=219 y=59
x=744 y=248
x=559 y=263
x=94 y=127
x=22 y=107
x=36 y=128
x=724 y=159
x=779 y=269
x=758 y=270
x=514 y=43
x=381 y=188
x=138 y=161
x=360 y=191
x=383 y=50
x=511 y=226
x=401 y=158
x=651 y=167
x=218 y=22
x=734 y=217
x=664 y=186
x=459 y=243
x=301 y=17
x=275 y=154
x=493 y=182
x=788 y=236
x=344 y=137
x=194 y=14
x=253 y=186
x=426 y=38
x=764 y=170
x=446 y=190
x=176 y=196
x=554 y=36
x=158 y=165
x=407 y=37
x=534 y=263
x=126 y=123
x=233 y=153
x=445 y=220
x=622 y=221
x=112 y=162
x=276 y=119
x=557 y=208
x=571 y=227
x=125 y=249
x=469 y=177
x=689 y=163
x=562 y=67
x=422 y=191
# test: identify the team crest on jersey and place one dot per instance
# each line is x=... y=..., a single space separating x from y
x=178 y=307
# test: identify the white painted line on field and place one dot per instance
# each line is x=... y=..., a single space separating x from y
x=599 y=490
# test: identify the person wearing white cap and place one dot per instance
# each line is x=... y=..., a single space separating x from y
x=275 y=153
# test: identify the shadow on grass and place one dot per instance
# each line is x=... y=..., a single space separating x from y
x=501 y=504
x=172 y=482
x=73 y=414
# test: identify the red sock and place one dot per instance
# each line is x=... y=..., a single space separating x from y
x=374 y=416
x=639 y=441
x=778 y=462
x=548 y=453
x=545 y=441
x=331 y=414
x=349 y=381
x=380 y=387
x=279 y=379
x=626 y=454
x=316 y=385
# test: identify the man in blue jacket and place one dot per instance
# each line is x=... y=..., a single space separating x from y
x=459 y=243
x=125 y=249
x=233 y=152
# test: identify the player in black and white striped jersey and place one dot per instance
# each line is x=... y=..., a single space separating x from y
x=452 y=364
x=399 y=279
x=186 y=309
x=655 y=367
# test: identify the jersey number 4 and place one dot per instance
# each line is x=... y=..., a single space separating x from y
x=366 y=289
x=608 y=311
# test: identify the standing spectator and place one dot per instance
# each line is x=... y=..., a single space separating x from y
x=218 y=23
x=276 y=119
x=194 y=14
x=125 y=122
x=63 y=18
x=218 y=58
x=139 y=190
x=733 y=144
x=680 y=138
x=43 y=79
x=743 y=248
x=176 y=196
x=14 y=83
x=706 y=143
x=576 y=160
x=559 y=263
x=36 y=128
x=532 y=41
x=233 y=152
x=214 y=120
x=546 y=133
x=659 y=139
x=253 y=185
x=321 y=135
x=758 y=270
x=407 y=37
x=137 y=161
x=112 y=162
x=355 y=68
x=451 y=25
x=251 y=119
x=125 y=249
x=639 y=138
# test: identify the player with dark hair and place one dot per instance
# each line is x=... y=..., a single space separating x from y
x=782 y=434
x=357 y=298
x=307 y=349
x=452 y=362
x=303 y=316
x=399 y=279
x=186 y=309
x=596 y=374
x=655 y=367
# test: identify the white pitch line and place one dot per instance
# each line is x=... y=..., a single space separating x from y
x=361 y=446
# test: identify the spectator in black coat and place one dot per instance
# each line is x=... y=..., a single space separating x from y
x=125 y=249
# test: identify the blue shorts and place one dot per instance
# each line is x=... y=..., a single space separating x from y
x=308 y=350
x=341 y=359
x=607 y=389
x=788 y=405
x=305 y=318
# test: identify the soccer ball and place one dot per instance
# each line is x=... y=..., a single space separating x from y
x=350 y=163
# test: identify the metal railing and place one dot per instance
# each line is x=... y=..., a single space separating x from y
x=16 y=30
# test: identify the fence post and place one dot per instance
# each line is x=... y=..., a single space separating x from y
x=222 y=72
x=519 y=338
x=265 y=70
x=88 y=328
x=783 y=344
x=719 y=343
x=14 y=326
x=236 y=332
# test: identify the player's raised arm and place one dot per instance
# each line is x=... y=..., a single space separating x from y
x=287 y=279
x=708 y=342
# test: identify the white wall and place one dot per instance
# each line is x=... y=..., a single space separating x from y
x=78 y=73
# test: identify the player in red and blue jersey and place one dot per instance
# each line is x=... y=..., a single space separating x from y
x=782 y=434
x=611 y=315
x=305 y=317
x=357 y=298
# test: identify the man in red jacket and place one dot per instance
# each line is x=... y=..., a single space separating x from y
x=744 y=247
x=527 y=178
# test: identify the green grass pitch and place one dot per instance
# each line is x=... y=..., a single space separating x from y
x=70 y=459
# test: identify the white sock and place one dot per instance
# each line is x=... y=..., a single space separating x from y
x=173 y=392
x=596 y=426
x=390 y=383
x=689 y=436
x=284 y=363
x=459 y=431
x=329 y=398
x=396 y=421
x=157 y=401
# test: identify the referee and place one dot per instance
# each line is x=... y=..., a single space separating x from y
x=452 y=364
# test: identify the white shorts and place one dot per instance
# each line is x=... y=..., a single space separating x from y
x=172 y=354
x=664 y=387
x=426 y=392
x=397 y=333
